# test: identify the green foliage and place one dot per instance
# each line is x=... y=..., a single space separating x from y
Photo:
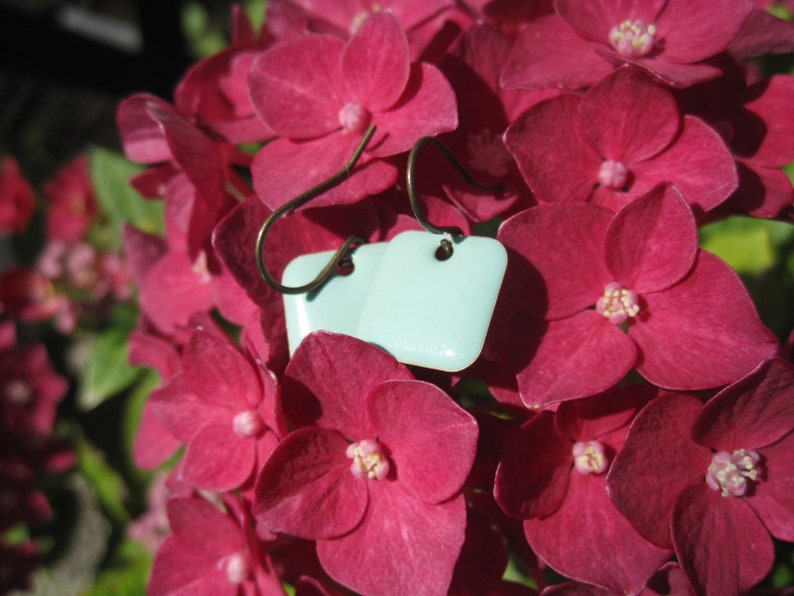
x=119 y=202
x=107 y=371
x=107 y=483
x=202 y=38
x=750 y=246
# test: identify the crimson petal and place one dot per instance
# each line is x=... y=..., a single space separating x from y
x=652 y=242
x=431 y=440
x=306 y=487
x=399 y=540
x=702 y=332
x=720 y=543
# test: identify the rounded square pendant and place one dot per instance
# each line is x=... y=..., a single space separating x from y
x=337 y=305
x=433 y=313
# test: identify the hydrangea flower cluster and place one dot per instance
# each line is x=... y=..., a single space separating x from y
x=639 y=412
x=30 y=391
x=75 y=276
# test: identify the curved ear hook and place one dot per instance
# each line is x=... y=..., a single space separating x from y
x=416 y=207
x=341 y=253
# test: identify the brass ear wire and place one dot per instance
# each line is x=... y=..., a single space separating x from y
x=445 y=248
x=342 y=252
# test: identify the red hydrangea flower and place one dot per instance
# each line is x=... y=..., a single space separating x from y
x=71 y=202
x=421 y=19
x=214 y=91
x=320 y=94
x=223 y=407
x=714 y=480
x=553 y=473
x=588 y=271
x=193 y=168
x=17 y=201
x=373 y=471
x=759 y=130
x=583 y=42
x=211 y=552
x=622 y=138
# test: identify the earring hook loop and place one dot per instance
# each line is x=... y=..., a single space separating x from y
x=413 y=197
x=341 y=253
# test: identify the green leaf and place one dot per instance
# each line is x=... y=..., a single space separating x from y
x=106 y=371
x=107 y=483
x=748 y=245
x=120 y=202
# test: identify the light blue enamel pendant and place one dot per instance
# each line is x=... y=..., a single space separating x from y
x=336 y=306
x=429 y=312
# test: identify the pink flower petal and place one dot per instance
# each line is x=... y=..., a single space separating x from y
x=178 y=571
x=587 y=539
x=306 y=487
x=551 y=155
x=673 y=74
x=593 y=20
x=431 y=440
x=657 y=461
x=153 y=443
x=202 y=526
x=329 y=378
x=549 y=53
x=763 y=33
x=720 y=543
x=217 y=459
x=172 y=292
x=399 y=540
x=564 y=244
x=698 y=163
x=626 y=117
x=763 y=192
x=282 y=170
x=376 y=63
x=768 y=117
x=652 y=242
x=427 y=108
x=534 y=472
x=773 y=497
x=578 y=356
x=697 y=29
x=217 y=372
x=592 y=418
x=754 y=412
x=181 y=412
x=695 y=338
x=141 y=134
x=294 y=86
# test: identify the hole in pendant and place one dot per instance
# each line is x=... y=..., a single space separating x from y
x=345 y=267
x=444 y=250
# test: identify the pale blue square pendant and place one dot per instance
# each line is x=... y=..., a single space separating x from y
x=433 y=313
x=336 y=306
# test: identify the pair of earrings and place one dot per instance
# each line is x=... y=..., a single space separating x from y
x=427 y=302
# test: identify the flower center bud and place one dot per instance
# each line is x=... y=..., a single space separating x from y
x=731 y=473
x=201 y=268
x=613 y=174
x=589 y=457
x=18 y=393
x=247 y=424
x=618 y=304
x=632 y=38
x=487 y=153
x=369 y=461
x=354 y=118
x=236 y=567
